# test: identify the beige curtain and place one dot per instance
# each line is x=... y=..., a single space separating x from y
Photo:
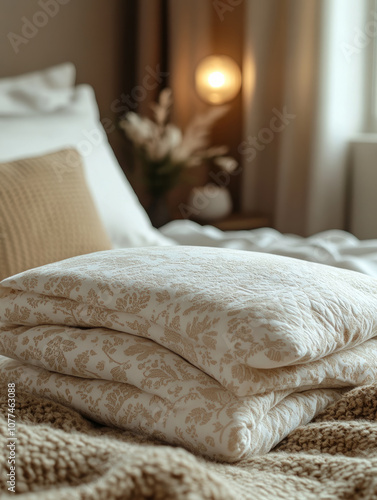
x=303 y=101
x=302 y=97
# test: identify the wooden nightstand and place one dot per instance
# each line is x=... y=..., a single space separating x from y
x=240 y=222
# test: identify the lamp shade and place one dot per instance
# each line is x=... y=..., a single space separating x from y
x=217 y=79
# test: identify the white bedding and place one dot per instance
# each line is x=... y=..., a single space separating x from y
x=335 y=248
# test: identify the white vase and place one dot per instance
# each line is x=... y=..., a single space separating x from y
x=210 y=202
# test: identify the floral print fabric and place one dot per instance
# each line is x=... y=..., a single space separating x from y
x=221 y=351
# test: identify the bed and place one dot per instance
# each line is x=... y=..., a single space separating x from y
x=184 y=363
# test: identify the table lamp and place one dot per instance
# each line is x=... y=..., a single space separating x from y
x=217 y=79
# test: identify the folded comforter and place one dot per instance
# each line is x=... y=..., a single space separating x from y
x=223 y=352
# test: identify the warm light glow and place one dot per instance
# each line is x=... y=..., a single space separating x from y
x=217 y=79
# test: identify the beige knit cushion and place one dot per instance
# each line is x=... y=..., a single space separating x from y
x=46 y=212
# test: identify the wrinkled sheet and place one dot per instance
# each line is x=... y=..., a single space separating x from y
x=334 y=248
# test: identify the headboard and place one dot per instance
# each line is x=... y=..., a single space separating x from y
x=35 y=34
x=93 y=34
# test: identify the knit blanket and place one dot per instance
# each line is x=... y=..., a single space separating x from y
x=61 y=455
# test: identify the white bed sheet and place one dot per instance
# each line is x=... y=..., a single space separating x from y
x=335 y=247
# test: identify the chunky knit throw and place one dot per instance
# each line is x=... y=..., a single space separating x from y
x=60 y=455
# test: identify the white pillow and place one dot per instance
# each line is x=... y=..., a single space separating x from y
x=77 y=125
x=40 y=91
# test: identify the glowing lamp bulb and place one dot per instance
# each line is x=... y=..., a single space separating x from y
x=217 y=79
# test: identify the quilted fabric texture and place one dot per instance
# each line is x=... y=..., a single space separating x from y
x=162 y=397
x=229 y=313
x=167 y=335
x=46 y=212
